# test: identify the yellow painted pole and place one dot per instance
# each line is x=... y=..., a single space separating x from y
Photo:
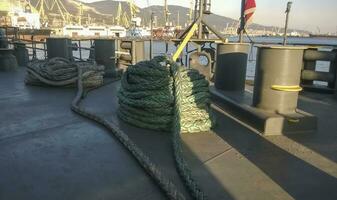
x=185 y=41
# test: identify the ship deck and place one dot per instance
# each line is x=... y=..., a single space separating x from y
x=49 y=152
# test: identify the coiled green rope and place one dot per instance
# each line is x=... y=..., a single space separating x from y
x=181 y=104
x=163 y=182
x=167 y=186
x=62 y=72
x=148 y=96
x=160 y=95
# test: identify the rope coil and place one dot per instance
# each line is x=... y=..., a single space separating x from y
x=163 y=182
x=62 y=72
x=151 y=85
x=181 y=114
x=160 y=95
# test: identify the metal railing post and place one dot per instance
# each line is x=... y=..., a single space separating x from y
x=44 y=50
x=333 y=70
x=34 y=48
x=80 y=49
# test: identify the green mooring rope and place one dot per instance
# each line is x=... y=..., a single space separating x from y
x=150 y=91
x=160 y=95
x=167 y=186
x=62 y=72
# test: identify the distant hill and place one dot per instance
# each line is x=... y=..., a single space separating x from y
x=74 y=7
x=216 y=20
x=219 y=22
x=110 y=7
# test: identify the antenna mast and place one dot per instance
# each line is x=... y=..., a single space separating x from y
x=166 y=13
x=286 y=24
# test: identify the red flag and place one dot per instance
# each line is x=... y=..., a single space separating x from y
x=249 y=10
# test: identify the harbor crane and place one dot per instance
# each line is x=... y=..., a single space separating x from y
x=118 y=18
x=133 y=9
x=166 y=14
x=190 y=13
x=48 y=8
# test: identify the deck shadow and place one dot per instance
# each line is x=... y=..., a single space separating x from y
x=207 y=181
x=297 y=177
x=157 y=145
x=324 y=140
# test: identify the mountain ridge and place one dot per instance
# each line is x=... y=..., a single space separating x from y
x=218 y=21
x=104 y=12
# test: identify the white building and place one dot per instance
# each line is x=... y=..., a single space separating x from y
x=97 y=31
x=73 y=30
x=117 y=31
x=25 y=20
x=94 y=31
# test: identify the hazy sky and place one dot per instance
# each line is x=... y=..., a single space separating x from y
x=310 y=15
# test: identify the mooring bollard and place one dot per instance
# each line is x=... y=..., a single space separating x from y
x=277 y=78
x=231 y=66
x=309 y=65
x=105 y=55
x=272 y=108
x=59 y=47
x=21 y=53
x=333 y=71
x=131 y=52
x=310 y=74
x=3 y=39
x=334 y=63
x=7 y=60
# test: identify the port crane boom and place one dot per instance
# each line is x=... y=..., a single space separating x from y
x=119 y=14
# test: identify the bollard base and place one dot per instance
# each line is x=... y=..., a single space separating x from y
x=266 y=123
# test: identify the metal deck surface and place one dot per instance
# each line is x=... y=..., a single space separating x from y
x=49 y=152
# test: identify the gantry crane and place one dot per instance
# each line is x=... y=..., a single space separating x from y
x=133 y=8
x=166 y=13
x=50 y=7
x=80 y=14
x=119 y=14
x=125 y=20
x=40 y=7
x=190 y=13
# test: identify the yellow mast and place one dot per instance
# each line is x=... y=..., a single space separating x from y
x=133 y=8
x=119 y=14
x=166 y=13
x=125 y=20
x=190 y=14
x=80 y=14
